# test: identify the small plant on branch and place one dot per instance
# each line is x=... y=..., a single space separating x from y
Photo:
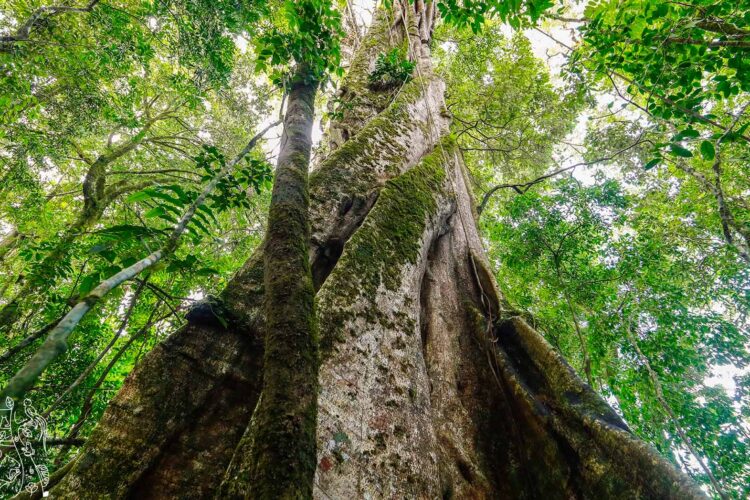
x=391 y=70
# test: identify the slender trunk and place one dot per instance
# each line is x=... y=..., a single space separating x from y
x=110 y=344
x=96 y=198
x=26 y=342
x=88 y=401
x=576 y=324
x=56 y=342
x=428 y=387
x=276 y=456
x=670 y=414
x=8 y=243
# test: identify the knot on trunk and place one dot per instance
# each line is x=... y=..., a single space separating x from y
x=210 y=311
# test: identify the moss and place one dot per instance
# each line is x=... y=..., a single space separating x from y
x=477 y=321
x=412 y=394
x=357 y=102
x=566 y=441
x=391 y=236
x=352 y=168
x=389 y=239
x=559 y=378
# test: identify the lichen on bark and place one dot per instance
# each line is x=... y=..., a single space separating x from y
x=355 y=103
x=374 y=402
x=390 y=238
x=168 y=400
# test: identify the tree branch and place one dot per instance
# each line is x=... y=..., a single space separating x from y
x=741 y=44
x=664 y=99
x=668 y=409
x=522 y=187
x=56 y=342
x=42 y=13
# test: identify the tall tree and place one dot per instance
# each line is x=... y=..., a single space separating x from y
x=429 y=384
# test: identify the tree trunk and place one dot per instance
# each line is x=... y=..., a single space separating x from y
x=428 y=387
x=276 y=456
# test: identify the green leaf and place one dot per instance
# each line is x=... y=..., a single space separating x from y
x=97 y=249
x=88 y=283
x=637 y=27
x=139 y=196
x=707 y=150
x=128 y=261
x=690 y=133
x=222 y=320
x=195 y=221
x=651 y=164
x=206 y=271
x=155 y=212
x=678 y=150
x=124 y=231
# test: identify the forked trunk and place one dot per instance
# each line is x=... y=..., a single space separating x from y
x=429 y=386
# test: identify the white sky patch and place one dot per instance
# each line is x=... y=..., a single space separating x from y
x=49 y=174
x=363 y=11
x=545 y=48
x=723 y=376
x=449 y=47
x=273 y=136
x=241 y=43
x=5 y=229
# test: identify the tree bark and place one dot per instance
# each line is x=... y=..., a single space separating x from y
x=428 y=387
x=276 y=456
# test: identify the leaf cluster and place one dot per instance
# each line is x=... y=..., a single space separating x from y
x=391 y=70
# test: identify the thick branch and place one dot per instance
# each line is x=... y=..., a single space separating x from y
x=522 y=187
x=39 y=15
x=740 y=44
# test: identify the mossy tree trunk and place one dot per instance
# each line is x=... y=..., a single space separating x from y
x=276 y=456
x=429 y=387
